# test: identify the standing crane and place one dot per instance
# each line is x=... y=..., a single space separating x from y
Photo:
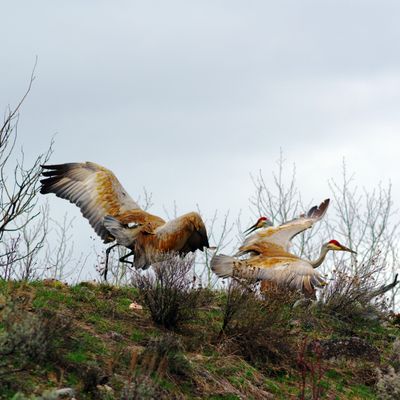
x=269 y=258
x=115 y=216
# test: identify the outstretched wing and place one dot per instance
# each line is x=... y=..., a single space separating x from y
x=273 y=240
x=291 y=273
x=96 y=191
x=295 y=274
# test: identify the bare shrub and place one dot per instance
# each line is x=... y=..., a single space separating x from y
x=237 y=296
x=356 y=295
x=19 y=186
x=43 y=248
x=395 y=357
x=22 y=258
x=311 y=369
x=31 y=241
x=162 y=356
x=256 y=326
x=30 y=336
x=168 y=293
x=368 y=223
x=58 y=258
x=28 y=249
x=165 y=354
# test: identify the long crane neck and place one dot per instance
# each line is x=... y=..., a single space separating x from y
x=321 y=258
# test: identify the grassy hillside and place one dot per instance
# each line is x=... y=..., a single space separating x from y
x=86 y=338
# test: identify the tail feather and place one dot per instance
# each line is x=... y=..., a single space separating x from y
x=222 y=265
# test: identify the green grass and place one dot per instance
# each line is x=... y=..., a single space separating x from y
x=96 y=311
x=137 y=335
x=362 y=391
x=72 y=379
x=271 y=386
x=49 y=298
x=78 y=356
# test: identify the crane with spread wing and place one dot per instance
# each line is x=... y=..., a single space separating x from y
x=115 y=216
x=268 y=256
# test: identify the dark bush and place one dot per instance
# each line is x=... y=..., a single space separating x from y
x=169 y=293
x=163 y=356
x=354 y=296
x=257 y=325
x=32 y=336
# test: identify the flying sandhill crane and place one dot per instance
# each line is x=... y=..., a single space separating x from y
x=269 y=257
x=275 y=239
x=115 y=216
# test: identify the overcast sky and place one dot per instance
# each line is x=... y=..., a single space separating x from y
x=189 y=98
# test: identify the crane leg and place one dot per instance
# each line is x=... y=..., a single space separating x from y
x=124 y=258
x=106 y=264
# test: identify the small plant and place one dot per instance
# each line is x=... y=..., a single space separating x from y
x=255 y=325
x=28 y=339
x=388 y=386
x=237 y=295
x=163 y=355
x=28 y=335
x=168 y=292
x=395 y=357
x=350 y=296
x=310 y=366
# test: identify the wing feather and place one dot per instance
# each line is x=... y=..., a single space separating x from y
x=94 y=189
x=292 y=273
x=296 y=274
x=267 y=240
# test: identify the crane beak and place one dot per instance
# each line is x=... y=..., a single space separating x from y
x=251 y=229
x=347 y=249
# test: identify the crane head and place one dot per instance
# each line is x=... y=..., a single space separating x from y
x=262 y=222
x=335 y=245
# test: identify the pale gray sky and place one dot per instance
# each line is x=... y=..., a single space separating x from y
x=188 y=98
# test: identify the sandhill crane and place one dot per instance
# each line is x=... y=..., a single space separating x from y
x=115 y=216
x=269 y=256
x=278 y=238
